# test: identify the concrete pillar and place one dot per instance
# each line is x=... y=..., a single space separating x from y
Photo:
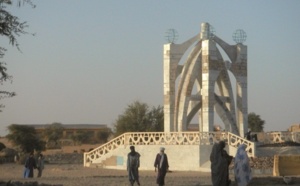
x=209 y=75
x=240 y=71
x=170 y=66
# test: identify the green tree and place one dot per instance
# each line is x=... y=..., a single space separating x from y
x=255 y=123
x=10 y=28
x=2 y=146
x=80 y=137
x=25 y=138
x=138 y=118
x=155 y=119
x=103 y=135
x=53 y=133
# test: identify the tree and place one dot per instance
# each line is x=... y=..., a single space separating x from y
x=255 y=123
x=53 y=133
x=103 y=135
x=25 y=138
x=138 y=118
x=2 y=146
x=10 y=27
x=80 y=137
x=156 y=119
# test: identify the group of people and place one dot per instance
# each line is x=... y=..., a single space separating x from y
x=220 y=161
x=31 y=164
x=161 y=165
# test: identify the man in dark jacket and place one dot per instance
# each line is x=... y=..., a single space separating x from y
x=162 y=165
x=133 y=164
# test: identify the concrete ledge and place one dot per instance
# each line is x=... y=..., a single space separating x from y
x=286 y=165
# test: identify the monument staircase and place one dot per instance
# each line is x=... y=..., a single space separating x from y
x=97 y=156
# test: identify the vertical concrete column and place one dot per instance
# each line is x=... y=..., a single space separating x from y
x=169 y=89
x=241 y=88
x=209 y=75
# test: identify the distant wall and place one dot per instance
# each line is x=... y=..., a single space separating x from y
x=294 y=128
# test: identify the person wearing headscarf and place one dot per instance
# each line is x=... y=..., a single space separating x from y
x=220 y=161
x=242 y=170
x=133 y=164
x=162 y=165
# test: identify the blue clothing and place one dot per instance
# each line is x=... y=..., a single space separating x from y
x=30 y=164
x=242 y=170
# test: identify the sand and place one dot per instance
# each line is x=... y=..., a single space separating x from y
x=77 y=175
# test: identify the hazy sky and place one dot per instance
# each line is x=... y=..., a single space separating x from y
x=90 y=59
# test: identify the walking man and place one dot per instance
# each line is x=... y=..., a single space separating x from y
x=133 y=164
x=162 y=165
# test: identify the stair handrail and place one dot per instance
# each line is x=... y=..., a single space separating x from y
x=235 y=140
x=167 y=138
x=174 y=138
x=89 y=157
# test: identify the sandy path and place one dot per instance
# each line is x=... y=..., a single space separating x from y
x=73 y=175
x=77 y=175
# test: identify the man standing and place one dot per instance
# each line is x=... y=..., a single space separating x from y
x=162 y=165
x=133 y=164
x=40 y=165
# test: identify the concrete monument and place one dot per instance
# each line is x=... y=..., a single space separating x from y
x=197 y=82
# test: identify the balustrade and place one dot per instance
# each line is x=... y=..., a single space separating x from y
x=235 y=141
x=185 y=138
x=280 y=137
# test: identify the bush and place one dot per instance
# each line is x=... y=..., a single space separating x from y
x=2 y=146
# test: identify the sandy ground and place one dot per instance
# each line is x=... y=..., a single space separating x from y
x=77 y=175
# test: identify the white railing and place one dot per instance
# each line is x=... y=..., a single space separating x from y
x=173 y=138
x=280 y=137
x=162 y=138
x=186 y=138
x=101 y=151
x=235 y=141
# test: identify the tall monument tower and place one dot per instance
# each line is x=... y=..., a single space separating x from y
x=197 y=82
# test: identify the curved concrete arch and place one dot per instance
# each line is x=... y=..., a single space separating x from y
x=172 y=55
x=224 y=84
x=225 y=115
x=194 y=101
x=193 y=111
x=238 y=56
x=185 y=86
x=205 y=66
x=230 y=50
